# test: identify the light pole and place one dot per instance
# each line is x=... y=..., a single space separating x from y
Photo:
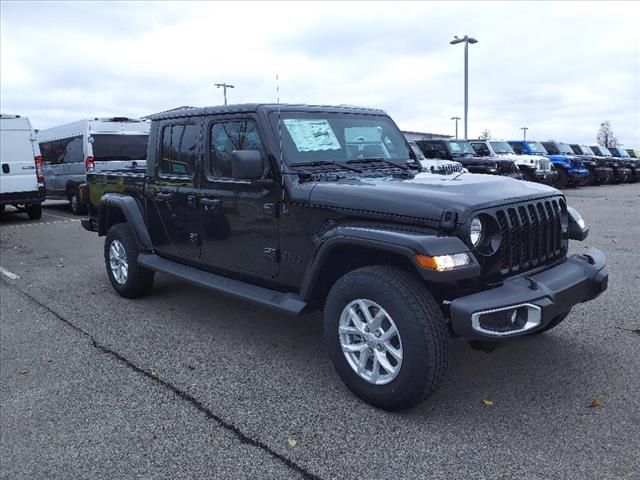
x=524 y=131
x=456 y=119
x=224 y=89
x=467 y=40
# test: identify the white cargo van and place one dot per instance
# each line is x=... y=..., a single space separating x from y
x=70 y=150
x=21 y=180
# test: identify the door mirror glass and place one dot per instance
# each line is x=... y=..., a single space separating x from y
x=247 y=164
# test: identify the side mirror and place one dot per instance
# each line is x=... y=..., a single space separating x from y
x=247 y=164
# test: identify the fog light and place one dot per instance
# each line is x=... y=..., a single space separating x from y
x=442 y=263
x=507 y=321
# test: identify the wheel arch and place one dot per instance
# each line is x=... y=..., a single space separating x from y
x=118 y=208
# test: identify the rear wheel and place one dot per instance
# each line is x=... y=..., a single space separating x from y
x=34 y=211
x=77 y=207
x=128 y=278
x=386 y=336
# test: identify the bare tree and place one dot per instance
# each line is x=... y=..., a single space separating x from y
x=485 y=135
x=605 y=137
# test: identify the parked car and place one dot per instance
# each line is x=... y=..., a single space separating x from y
x=571 y=172
x=433 y=165
x=535 y=168
x=21 y=181
x=71 y=150
x=599 y=172
x=627 y=161
x=285 y=206
x=621 y=173
x=463 y=152
x=633 y=153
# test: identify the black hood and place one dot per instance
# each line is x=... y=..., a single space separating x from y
x=426 y=195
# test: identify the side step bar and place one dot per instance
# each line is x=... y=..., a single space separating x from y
x=284 y=302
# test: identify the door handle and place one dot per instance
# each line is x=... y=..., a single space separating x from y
x=208 y=203
x=164 y=196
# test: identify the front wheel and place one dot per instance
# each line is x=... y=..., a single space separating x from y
x=386 y=336
x=128 y=278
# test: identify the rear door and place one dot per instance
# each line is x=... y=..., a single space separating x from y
x=17 y=165
x=171 y=194
x=238 y=216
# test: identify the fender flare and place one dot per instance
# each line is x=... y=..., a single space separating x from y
x=404 y=243
x=131 y=211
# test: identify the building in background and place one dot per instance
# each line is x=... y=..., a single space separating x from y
x=412 y=136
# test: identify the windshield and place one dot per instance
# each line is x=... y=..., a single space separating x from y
x=620 y=152
x=536 y=147
x=339 y=137
x=564 y=148
x=461 y=148
x=502 y=147
x=551 y=147
x=416 y=151
x=119 y=147
x=586 y=150
x=605 y=151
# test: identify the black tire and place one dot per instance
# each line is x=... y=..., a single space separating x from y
x=34 y=211
x=563 y=178
x=138 y=280
x=552 y=324
x=77 y=207
x=419 y=321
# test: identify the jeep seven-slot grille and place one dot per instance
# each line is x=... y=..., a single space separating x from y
x=449 y=168
x=531 y=235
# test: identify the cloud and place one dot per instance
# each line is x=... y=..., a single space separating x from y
x=557 y=69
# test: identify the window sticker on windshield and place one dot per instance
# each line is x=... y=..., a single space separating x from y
x=312 y=135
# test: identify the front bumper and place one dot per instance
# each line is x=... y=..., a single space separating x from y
x=548 y=177
x=602 y=174
x=540 y=297
x=578 y=176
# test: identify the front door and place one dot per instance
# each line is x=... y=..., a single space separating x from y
x=238 y=217
x=172 y=193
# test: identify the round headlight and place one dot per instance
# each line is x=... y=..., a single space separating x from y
x=475 y=231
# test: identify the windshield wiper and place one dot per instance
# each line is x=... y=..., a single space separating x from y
x=319 y=163
x=379 y=159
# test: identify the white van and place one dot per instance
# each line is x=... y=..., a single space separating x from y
x=70 y=151
x=21 y=180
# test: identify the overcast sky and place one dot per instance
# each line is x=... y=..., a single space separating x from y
x=559 y=69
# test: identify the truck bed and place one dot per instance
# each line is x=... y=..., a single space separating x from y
x=129 y=181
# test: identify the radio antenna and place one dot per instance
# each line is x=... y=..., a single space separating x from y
x=280 y=134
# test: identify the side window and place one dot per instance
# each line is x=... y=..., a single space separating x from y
x=517 y=147
x=481 y=149
x=178 y=152
x=73 y=151
x=227 y=137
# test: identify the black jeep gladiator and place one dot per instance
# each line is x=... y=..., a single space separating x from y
x=299 y=208
x=462 y=151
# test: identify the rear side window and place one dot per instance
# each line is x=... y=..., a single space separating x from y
x=179 y=150
x=66 y=150
x=227 y=137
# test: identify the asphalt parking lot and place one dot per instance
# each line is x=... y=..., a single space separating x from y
x=188 y=384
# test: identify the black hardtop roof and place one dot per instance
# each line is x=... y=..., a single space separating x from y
x=269 y=107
